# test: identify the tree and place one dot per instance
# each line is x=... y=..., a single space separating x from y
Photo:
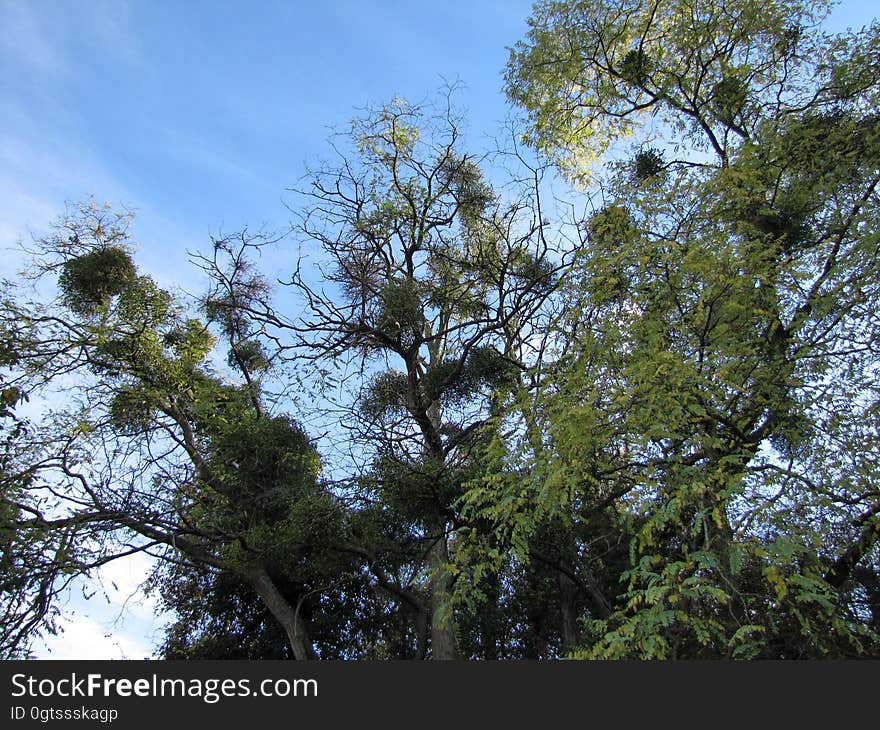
x=32 y=566
x=439 y=284
x=713 y=404
x=156 y=452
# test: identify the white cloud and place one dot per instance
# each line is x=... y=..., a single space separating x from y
x=87 y=638
x=116 y=621
x=123 y=581
x=37 y=35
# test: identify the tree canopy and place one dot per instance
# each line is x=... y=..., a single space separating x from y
x=646 y=428
x=717 y=400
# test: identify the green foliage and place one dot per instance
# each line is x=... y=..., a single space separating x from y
x=472 y=193
x=588 y=70
x=89 y=281
x=267 y=460
x=217 y=616
x=416 y=491
x=538 y=274
x=611 y=227
x=728 y=99
x=389 y=134
x=714 y=357
x=386 y=391
x=131 y=411
x=453 y=380
x=647 y=164
x=250 y=355
x=636 y=67
x=399 y=316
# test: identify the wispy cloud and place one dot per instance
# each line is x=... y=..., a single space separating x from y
x=24 y=37
x=118 y=621
x=86 y=638
x=123 y=581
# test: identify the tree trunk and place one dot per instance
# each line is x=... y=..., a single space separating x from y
x=284 y=613
x=490 y=619
x=442 y=634
x=568 y=591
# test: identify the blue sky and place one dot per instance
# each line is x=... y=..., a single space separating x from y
x=199 y=115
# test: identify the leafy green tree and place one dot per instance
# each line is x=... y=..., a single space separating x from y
x=435 y=283
x=31 y=565
x=713 y=404
x=154 y=451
